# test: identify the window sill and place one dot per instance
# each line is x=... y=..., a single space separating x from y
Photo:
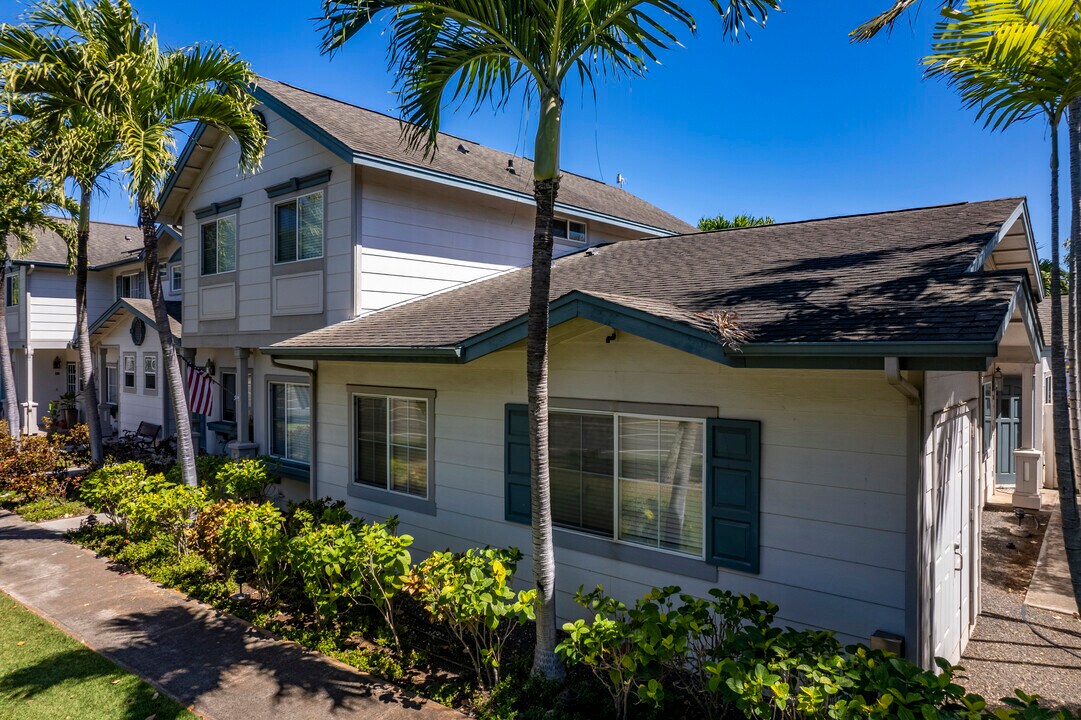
x=634 y=554
x=292 y=470
x=398 y=500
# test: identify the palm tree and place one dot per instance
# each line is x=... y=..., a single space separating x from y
x=146 y=94
x=29 y=202
x=1013 y=60
x=720 y=222
x=486 y=50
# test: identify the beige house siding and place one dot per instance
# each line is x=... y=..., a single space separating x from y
x=833 y=469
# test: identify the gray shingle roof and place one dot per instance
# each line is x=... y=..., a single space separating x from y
x=142 y=308
x=887 y=277
x=368 y=132
x=108 y=245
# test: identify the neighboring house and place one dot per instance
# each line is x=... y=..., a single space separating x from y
x=1049 y=478
x=339 y=221
x=39 y=300
x=835 y=463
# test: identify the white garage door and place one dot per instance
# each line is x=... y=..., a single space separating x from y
x=951 y=530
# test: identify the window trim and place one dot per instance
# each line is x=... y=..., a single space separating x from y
x=176 y=271
x=71 y=377
x=11 y=289
x=127 y=275
x=236 y=242
x=270 y=380
x=115 y=398
x=274 y=221
x=386 y=496
x=221 y=390
x=641 y=414
x=156 y=373
x=567 y=240
x=124 y=373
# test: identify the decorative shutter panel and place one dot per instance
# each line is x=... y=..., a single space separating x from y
x=732 y=493
x=516 y=491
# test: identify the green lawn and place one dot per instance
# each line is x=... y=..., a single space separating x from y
x=47 y=674
x=51 y=508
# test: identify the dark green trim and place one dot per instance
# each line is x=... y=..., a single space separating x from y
x=376 y=354
x=176 y=257
x=292 y=470
x=298 y=183
x=305 y=125
x=517 y=471
x=218 y=208
x=181 y=161
x=733 y=493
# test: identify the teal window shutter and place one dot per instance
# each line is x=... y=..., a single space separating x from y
x=516 y=464
x=732 y=493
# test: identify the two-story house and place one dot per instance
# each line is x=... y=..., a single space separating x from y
x=39 y=302
x=342 y=220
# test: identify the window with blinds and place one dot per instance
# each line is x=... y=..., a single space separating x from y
x=290 y=421
x=218 y=241
x=299 y=228
x=391 y=435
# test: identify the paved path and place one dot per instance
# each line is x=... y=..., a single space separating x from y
x=219 y=666
x=1050 y=588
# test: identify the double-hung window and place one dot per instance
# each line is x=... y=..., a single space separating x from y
x=176 y=277
x=569 y=231
x=131 y=285
x=129 y=371
x=218 y=241
x=298 y=227
x=290 y=421
x=391 y=443
x=150 y=371
x=11 y=291
x=110 y=383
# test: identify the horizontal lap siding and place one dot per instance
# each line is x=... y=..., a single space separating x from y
x=833 y=543
x=52 y=305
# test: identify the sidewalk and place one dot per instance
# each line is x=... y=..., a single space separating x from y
x=219 y=666
x=1050 y=588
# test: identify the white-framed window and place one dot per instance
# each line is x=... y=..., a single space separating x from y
x=176 y=277
x=218 y=243
x=298 y=228
x=71 y=378
x=111 y=376
x=290 y=421
x=391 y=443
x=129 y=370
x=131 y=285
x=11 y=290
x=150 y=371
x=569 y=231
x=636 y=479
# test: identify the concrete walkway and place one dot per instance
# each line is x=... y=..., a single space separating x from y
x=219 y=666
x=1050 y=588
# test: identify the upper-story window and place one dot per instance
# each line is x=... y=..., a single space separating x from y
x=569 y=231
x=176 y=277
x=131 y=285
x=219 y=245
x=11 y=291
x=298 y=226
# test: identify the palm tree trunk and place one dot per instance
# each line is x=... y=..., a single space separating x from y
x=82 y=328
x=545 y=188
x=11 y=402
x=1071 y=523
x=185 y=451
x=676 y=474
x=1067 y=489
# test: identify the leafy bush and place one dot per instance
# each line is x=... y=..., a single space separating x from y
x=360 y=563
x=315 y=512
x=113 y=488
x=470 y=593
x=166 y=510
x=241 y=480
x=254 y=535
x=34 y=467
x=50 y=508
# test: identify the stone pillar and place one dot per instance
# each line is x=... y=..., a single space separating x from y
x=1026 y=493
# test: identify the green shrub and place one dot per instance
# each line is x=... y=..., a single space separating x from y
x=241 y=480
x=50 y=508
x=164 y=510
x=254 y=536
x=33 y=468
x=206 y=470
x=315 y=512
x=470 y=593
x=358 y=563
x=113 y=488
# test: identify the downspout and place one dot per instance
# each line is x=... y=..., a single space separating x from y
x=312 y=374
x=917 y=610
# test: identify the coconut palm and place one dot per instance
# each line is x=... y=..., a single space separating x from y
x=1013 y=60
x=475 y=51
x=147 y=94
x=29 y=202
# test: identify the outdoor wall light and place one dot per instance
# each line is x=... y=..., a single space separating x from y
x=57 y=362
x=998 y=379
x=210 y=367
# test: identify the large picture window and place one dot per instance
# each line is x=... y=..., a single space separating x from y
x=299 y=228
x=290 y=421
x=219 y=245
x=391 y=436
x=631 y=478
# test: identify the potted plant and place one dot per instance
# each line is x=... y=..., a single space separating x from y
x=68 y=411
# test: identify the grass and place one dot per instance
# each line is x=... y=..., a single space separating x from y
x=51 y=508
x=46 y=674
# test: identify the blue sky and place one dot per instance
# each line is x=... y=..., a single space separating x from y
x=795 y=122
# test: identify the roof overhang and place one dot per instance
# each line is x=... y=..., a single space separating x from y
x=1015 y=246
x=108 y=319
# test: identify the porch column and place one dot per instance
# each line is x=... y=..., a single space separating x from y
x=1026 y=492
x=29 y=407
x=242 y=406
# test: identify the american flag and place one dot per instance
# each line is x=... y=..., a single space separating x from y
x=200 y=391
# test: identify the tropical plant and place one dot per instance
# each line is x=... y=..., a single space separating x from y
x=147 y=94
x=720 y=222
x=476 y=52
x=252 y=536
x=1045 y=278
x=49 y=76
x=1012 y=60
x=30 y=201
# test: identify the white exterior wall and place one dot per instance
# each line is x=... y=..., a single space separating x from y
x=138 y=405
x=243 y=301
x=833 y=470
x=51 y=307
x=419 y=237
